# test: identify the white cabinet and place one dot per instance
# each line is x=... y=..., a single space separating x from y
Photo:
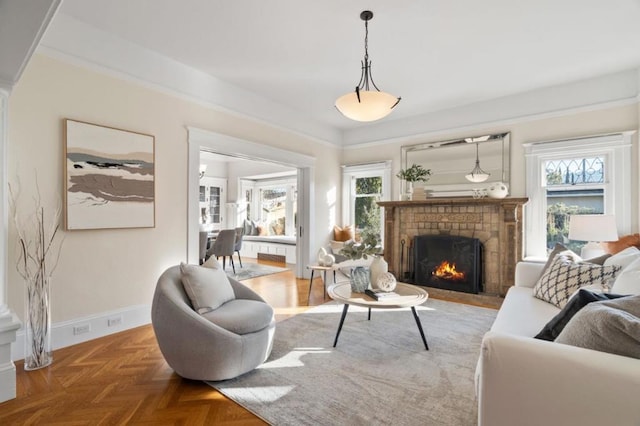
x=213 y=193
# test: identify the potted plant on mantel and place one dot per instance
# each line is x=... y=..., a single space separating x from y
x=415 y=173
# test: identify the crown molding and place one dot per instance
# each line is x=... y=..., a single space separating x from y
x=73 y=41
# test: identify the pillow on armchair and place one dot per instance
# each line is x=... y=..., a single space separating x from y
x=207 y=286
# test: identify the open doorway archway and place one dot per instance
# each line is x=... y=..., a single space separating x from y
x=200 y=139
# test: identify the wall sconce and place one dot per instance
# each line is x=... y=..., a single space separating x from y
x=593 y=228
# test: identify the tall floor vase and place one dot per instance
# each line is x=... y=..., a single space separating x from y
x=38 y=352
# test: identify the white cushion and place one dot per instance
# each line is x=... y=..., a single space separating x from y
x=623 y=258
x=628 y=281
x=522 y=314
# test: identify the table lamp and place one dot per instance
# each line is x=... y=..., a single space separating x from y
x=593 y=228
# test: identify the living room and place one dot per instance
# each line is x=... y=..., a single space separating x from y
x=65 y=75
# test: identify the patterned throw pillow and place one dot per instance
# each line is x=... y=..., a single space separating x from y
x=564 y=277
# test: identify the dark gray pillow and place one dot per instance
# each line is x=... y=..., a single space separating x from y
x=577 y=302
x=612 y=326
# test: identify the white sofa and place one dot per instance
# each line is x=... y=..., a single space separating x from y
x=530 y=382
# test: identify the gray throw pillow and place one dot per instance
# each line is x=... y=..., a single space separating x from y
x=208 y=288
x=611 y=326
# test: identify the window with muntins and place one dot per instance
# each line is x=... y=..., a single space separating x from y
x=570 y=177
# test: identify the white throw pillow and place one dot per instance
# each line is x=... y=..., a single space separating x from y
x=623 y=258
x=628 y=281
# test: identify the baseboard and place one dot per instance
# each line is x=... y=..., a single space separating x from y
x=88 y=328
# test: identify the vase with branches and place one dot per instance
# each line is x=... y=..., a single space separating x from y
x=38 y=246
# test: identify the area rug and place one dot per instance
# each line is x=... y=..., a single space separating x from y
x=379 y=373
x=252 y=270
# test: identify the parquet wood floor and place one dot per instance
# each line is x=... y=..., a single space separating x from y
x=123 y=378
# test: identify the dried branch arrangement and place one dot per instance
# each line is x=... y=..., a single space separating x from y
x=38 y=254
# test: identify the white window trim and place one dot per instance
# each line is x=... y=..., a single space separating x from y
x=616 y=148
x=382 y=169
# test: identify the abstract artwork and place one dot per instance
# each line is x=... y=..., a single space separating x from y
x=110 y=177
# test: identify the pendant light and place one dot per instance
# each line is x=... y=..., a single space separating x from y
x=365 y=104
x=477 y=174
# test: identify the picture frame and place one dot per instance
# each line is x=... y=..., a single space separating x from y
x=109 y=177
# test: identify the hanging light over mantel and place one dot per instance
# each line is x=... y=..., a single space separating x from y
x=477 y=175
x=365 y=104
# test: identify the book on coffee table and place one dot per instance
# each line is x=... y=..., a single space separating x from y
x=382 y=295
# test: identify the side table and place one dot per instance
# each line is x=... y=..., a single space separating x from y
x=324 y=270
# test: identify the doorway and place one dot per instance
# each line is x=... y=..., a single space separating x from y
x=218 y=143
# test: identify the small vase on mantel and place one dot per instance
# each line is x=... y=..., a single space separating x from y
x=378 y=267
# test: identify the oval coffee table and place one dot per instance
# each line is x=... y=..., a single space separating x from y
x=409 y=296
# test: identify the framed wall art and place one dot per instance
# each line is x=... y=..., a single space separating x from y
x=110 y=177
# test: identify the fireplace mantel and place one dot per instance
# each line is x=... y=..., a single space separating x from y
x=496 y=222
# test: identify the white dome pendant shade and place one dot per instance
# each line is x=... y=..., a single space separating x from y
x=364 y=104
x=372 y=105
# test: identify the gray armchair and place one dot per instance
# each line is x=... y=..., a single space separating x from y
x=219 y=345
x=224 y=246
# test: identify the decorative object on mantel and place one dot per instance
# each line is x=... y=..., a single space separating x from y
x=415 y=173
x=479 y=193
x=497 y=190
x=370 y=245
x=477 y=174
x=38 y=255
x=364 y=104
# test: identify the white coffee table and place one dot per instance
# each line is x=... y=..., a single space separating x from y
x=411 y=296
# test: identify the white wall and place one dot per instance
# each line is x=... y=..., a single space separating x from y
x=107 y=270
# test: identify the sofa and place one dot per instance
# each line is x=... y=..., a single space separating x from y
x=521 y=380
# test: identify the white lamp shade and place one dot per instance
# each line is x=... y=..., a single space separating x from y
x=373 y=105
x=477 y=177
x=593 y=227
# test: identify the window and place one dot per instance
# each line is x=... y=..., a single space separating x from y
x=363 y=186
x=578 y=176
x=272 y=204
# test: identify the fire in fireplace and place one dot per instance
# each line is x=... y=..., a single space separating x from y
x=448 y=262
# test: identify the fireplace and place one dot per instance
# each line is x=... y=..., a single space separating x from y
x=448 y=262
x=497 y=223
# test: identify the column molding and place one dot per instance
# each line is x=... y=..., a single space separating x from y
x=9 y=323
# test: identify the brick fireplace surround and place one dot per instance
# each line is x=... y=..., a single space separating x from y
x=497 y=223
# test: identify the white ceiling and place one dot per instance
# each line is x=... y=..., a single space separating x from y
x=437 y=54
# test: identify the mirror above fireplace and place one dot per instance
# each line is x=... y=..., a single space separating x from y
x=451 y=160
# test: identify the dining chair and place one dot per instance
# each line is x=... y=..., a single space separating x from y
x=224 y=246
